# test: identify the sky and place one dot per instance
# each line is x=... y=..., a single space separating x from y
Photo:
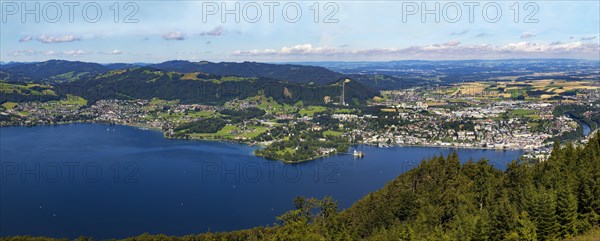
x=153 y=31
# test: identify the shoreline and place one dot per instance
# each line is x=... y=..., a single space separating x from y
x=151 y=128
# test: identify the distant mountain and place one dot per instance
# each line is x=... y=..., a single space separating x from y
x=54 y=70
x=303 y=74
x=115 y=66
x=8 y=64
x=376 y=75
x=148 y=82
x=285 y=72
x=58 y=71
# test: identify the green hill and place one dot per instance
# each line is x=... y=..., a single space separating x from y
x=146 y=83
x=60 y=71
x=53 y=71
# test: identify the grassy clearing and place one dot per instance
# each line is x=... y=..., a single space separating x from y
x=332 y=133
x=472 y=88
x=29 y=89
x=73 y=100
x=231 y=79
x=311 y=110
x=271 y=106
x=522 y=113
x=232 y=132
x=190 y=76
x=288 y=150
x=227 y=131
x=9 y=105
x=203 y=113
x=254 y=131
x=343 y=111
x=156 y=101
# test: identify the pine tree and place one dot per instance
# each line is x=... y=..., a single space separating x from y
x=587 y=199
x=545 y=216
x=519 y=184
x=482 y=228
x=502 y=219
x=566 y=210
x=526 y=229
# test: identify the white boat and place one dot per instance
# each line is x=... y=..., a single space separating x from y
x=358 y=154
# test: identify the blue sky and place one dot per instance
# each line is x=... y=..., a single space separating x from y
x=354 y=31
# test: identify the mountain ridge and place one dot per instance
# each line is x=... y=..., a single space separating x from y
x=58 y=71
x=149 y=82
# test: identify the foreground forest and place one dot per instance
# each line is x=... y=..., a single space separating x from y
x=442 y=199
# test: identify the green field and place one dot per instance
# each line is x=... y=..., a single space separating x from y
x=343 y=111
x=521 y=113
x=271 y=106
x=227 y=133
x=202 y=113
x=28 y=89
x=231 y=78
x=332 y=133
x=311 y=110
x=73 y=100
x=9 y=105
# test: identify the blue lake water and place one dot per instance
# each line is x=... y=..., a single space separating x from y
x=586 y=129
x=118 y=181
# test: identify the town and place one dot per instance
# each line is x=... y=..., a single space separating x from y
x=457 y=116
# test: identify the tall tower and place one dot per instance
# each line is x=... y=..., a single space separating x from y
x=342 y=97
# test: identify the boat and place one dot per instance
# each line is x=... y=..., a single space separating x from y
x=358 y=154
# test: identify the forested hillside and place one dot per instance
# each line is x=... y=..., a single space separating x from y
x=60 y=71
x=52 y=71
x=442 y=199
x=147 y=83
x=286 y=72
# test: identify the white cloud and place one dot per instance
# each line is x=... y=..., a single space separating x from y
x=217 y=31
x=174 y=36
x=448 y=50
x=25 y=39
x=75 y=52
x=588 y=38
x=112 y=52
x=25 y=52
x=32 y=52
x=527 y=35
x=554 y=47
x=58 y=39
x=459 y=33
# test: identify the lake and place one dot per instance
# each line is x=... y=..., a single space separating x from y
x=586 y=129
x=117 y=181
